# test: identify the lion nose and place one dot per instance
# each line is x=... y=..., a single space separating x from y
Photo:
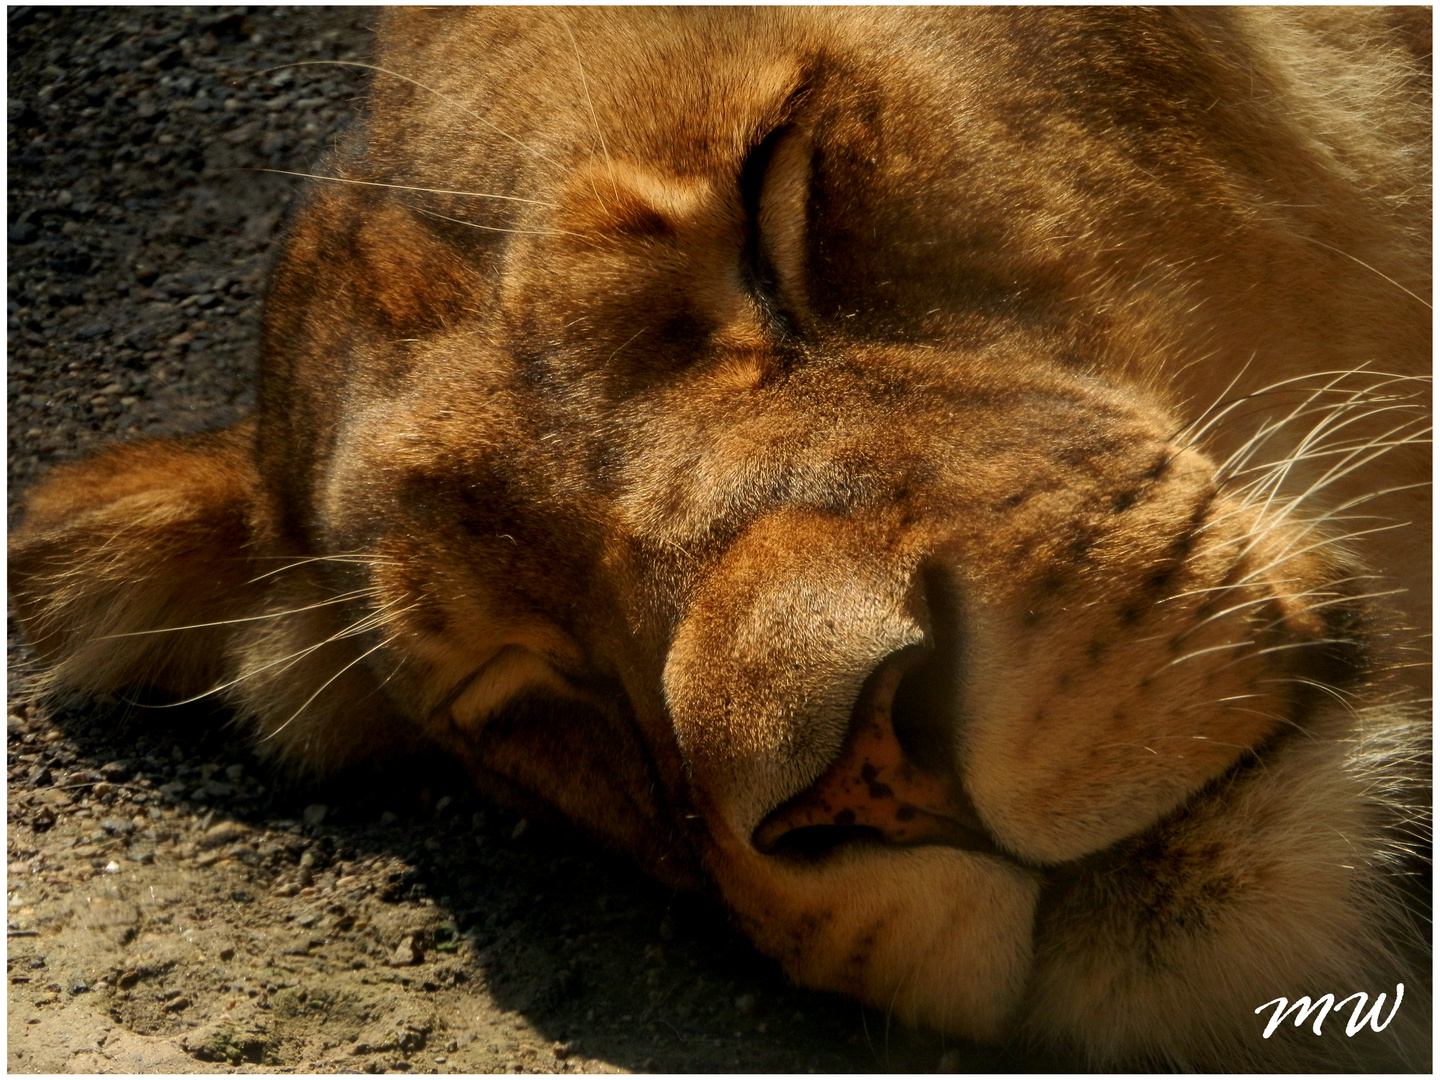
x=892 y=781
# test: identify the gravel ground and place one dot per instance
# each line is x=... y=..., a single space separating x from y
x=173 y=906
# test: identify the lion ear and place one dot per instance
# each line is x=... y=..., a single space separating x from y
x=540 y=743
x=513 y=671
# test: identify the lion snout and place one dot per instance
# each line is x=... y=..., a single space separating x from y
x=1043 y=675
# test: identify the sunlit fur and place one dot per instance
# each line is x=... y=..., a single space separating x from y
x=638 y=384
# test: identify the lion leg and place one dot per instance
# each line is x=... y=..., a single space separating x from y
x=120 y=552
x=148 y=566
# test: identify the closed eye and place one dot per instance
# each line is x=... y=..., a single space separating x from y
x=774 y=217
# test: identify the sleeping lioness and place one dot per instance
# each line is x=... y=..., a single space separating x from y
x=951 y=482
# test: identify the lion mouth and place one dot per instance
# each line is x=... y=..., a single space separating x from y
x=776 y=837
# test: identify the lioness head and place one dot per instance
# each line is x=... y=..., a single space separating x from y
x=950 y=481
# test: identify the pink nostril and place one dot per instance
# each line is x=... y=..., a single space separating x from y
x=875 y=786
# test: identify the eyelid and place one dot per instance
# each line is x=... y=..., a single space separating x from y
x=774 y=188
x=783 y=220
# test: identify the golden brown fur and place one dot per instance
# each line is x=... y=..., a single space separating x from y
x=951 y=481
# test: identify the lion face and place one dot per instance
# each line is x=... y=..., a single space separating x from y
x=802 y=449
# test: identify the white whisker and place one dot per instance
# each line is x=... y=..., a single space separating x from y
x=362 y=626
x=383 y=643
x=354 y=557
x=493 y=228
x=342 y=598
x=407 y=187
x=1204 y=652
x=594 y=118
x=414 y=82
x=1367 y=266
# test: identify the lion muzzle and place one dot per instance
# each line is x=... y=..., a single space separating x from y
x=864 y=706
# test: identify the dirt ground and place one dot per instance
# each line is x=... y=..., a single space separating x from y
x=173 y=905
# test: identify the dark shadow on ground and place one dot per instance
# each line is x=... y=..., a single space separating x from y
x=575 y=940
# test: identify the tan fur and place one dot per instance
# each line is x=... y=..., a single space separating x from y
x=666 y=393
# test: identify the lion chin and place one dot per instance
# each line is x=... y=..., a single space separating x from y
x=952 y=482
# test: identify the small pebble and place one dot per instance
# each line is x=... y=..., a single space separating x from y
x=224 y=833
x=405 y=953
